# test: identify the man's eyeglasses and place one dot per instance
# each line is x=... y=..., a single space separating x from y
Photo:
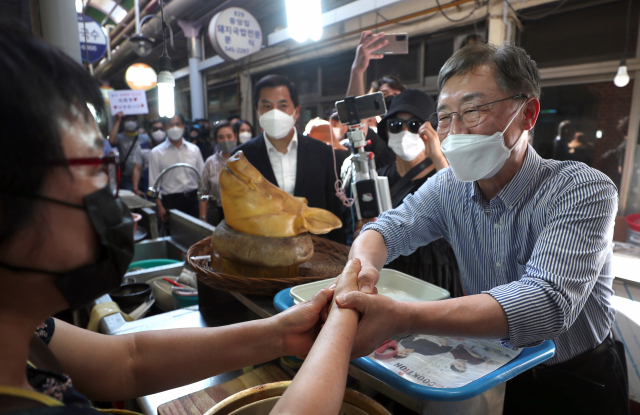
x=109 y=165
x=469 y=115
x=395 y=125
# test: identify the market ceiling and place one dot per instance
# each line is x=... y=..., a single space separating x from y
x=120 y=13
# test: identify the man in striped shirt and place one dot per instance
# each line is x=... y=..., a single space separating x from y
x=532 y=238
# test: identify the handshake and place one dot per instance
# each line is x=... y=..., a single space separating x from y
x=342 y=322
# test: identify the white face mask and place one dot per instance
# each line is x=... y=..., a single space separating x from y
x=276 y=123
x=130 y=126
x=244 y=137
x=406 y=145
x=476 y=157
x=175 y=133
x=159 y=136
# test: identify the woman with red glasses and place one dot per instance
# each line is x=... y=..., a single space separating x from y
x=66 y=240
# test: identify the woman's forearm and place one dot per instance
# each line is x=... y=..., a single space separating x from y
x=319 y=385
x=113 y=368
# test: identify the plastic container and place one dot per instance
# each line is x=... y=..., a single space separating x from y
x=633 y=222
x=150 y=263
x=392 y=283
x=162 y=293
x=185 y=300
x=530 y=357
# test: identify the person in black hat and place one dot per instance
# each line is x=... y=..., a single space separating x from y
x=415 y=143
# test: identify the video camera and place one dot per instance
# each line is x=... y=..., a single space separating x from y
x=370 y=191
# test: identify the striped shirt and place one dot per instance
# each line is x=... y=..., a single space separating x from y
x=542 y=247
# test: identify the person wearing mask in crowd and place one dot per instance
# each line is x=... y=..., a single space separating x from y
x=202 y=138
x=532 y=237
x=243 y=130
x=179 y=186
x=233 y=118
x=126 y=142
x=418 y=157
x=580 y=149
x=299 y=165
x=226 y=140
x=141 y=157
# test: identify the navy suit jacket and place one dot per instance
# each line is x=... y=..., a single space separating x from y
x=315 y=177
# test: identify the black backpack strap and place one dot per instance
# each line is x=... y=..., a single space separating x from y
x=415 y=170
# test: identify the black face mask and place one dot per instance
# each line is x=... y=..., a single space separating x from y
x=113 y=223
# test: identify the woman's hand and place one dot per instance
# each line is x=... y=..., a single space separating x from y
x=299 y=326
x=432 y=144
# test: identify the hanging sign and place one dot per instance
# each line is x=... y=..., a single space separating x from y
x=235 y=34
x=92 y=39
x=141 y=76
x=128 y=102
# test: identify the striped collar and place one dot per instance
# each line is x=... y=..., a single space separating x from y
x=518 y=186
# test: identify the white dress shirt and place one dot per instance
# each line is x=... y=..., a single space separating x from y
x=178 y=180
x=284 y=165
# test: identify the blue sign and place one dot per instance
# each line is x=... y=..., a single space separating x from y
x=92 y=39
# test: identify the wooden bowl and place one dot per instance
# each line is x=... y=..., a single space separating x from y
x=257 y=400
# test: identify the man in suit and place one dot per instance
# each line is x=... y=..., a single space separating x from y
x=298 y=164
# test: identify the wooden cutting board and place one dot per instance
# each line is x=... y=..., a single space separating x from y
x=198 y=403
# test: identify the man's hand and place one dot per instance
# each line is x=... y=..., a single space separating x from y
x=365 y=52
x=432 y=144
x=299 y=326
x=381 y=318
x=139 y=192
x=119 y=116
x=360 y=224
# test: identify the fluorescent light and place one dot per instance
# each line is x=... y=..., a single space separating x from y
x=304 y=19
x=166 y=100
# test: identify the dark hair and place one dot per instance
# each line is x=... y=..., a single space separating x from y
x=232 y=116
x=272 y=81
x=236 y=126
x=45 y=86
x=516 y=73
x=220 y=125
x=165 y=120
x=154 y=121
x=393 y=81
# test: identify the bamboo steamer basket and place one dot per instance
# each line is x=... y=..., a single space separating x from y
x=261 y=399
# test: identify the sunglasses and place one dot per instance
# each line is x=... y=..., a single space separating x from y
x=154 y=129
x=396 y=125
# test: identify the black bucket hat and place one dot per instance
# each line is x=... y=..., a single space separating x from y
x=412 y=101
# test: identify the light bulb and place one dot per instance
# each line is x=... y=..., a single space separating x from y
x=622 y=77
x=166 y=102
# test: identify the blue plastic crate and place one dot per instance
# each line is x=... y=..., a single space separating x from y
x=530 y=357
